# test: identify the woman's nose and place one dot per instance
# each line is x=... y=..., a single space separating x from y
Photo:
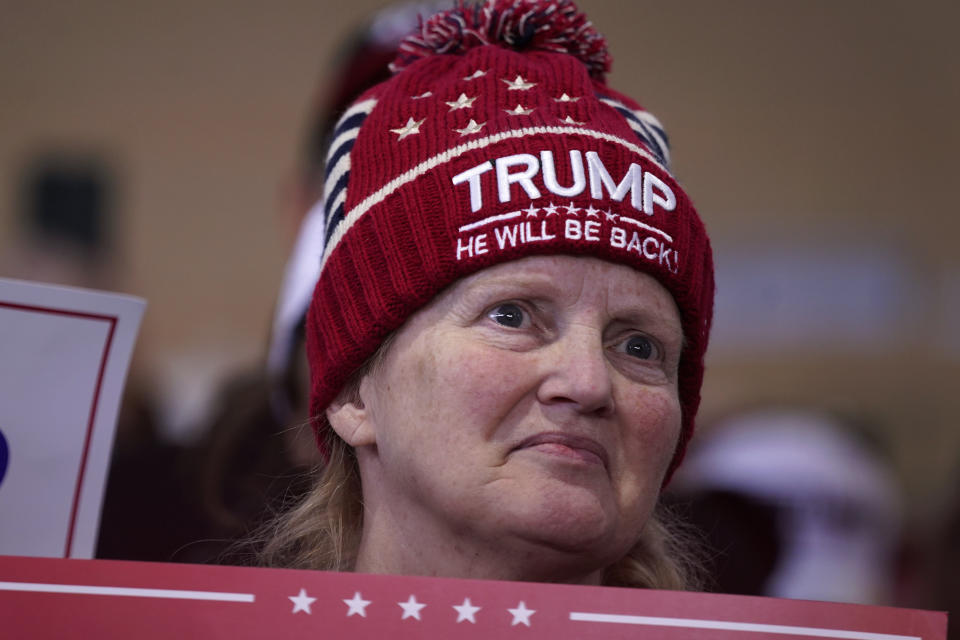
x=577 y=374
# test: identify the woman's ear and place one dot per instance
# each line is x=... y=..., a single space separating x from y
x=350 y=418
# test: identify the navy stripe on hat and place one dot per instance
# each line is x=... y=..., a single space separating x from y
x=338 y=162
x=647 y=128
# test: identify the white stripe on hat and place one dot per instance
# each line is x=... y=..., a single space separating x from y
x=333 y=174
x=645 y=125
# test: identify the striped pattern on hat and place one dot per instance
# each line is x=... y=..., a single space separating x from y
x=338 y=161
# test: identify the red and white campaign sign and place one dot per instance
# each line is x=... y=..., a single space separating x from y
x=56 y=598
x=64 y=355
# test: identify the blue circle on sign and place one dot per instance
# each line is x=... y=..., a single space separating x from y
x=4 y=456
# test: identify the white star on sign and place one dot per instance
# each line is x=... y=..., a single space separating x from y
x=479 y=73
x=551 y=209
x=466 y=610
x=411 y=608
x=569 y=120
x=302 y=602
x=519 y=84
x=519 y=111
x=565 y=98
x=531 y=211
x=521 y=615
x=592 y=213
x=611 y=217
x=472 y=127
x=572 y=210
x=412 y=127
x=463 y=102
x=357 y=605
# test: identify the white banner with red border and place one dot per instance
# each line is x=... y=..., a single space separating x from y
x=64 y=355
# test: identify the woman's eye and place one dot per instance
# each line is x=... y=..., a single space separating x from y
x=641 y=347
x=509 y=315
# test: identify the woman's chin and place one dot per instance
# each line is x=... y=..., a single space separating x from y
x=568 y=519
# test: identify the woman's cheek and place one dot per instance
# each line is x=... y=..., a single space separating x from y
x=478 y=370
x=655 y=427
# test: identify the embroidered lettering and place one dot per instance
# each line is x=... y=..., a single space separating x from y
x=524 y=178
x=472 y=176
x=647 y=191
x=550 y=174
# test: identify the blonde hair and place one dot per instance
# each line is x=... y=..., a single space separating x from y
x=322 y=532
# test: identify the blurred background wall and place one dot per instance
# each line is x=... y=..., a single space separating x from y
x=818 y=139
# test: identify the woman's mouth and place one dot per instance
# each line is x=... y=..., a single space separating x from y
x=572 y=447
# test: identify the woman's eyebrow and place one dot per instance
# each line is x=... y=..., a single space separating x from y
x=542 y=284
x=650 y=320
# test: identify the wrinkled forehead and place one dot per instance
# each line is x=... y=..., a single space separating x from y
x=561 y=283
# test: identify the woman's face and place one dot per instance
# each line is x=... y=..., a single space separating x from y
x=531 y=406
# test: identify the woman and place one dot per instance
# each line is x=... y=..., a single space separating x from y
x=506 y=339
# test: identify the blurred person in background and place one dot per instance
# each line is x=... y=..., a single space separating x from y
x=257 y=452
x=794 y=503
x=361 y=63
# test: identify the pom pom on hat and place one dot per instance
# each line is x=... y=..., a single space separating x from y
x=522 y=25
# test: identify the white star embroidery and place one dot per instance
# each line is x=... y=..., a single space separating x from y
x=411 y=608
x=425 y=94
x=572 y=210
x=565 y=98
x=531 y=211
x=466 y=611
x=412 y=127
x=463 y=102
x=357 y=605
x=472 y=127
x=611 y=217
x=569 y=120
x=592 y=213
x=519 y=111
x=551 y=209
x=479 y=73
x=519 y=84
x=521 y=615
x=302 y=602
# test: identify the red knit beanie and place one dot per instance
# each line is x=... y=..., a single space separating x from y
x=496 y=139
